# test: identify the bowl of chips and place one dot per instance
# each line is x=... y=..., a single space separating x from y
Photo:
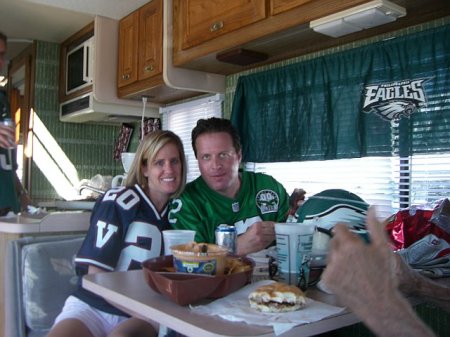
x=190 y=288
x=199 y=258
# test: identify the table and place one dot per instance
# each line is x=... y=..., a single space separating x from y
x=129 y=291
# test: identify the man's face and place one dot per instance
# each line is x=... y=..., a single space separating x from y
x=2 y=53
x=219 y=162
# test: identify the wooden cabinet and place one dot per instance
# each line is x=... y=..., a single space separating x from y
x=280 y=6
x=202 y=20
x=275 y=28
x=140 y=42
x=128 y=47
x=140 y=60
x=150 y=40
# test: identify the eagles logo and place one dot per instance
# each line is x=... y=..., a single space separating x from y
x=391 y=101
x=267 y=201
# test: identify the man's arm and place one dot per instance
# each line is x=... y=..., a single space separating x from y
x=413 y=283
x=363 y=277
x=257 y=237
x=262 y=233
x=393 y=316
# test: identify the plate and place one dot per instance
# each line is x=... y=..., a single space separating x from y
x=186 y=288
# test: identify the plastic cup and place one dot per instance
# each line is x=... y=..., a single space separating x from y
x=127 y=160
x=174 y=237
x=294 y=246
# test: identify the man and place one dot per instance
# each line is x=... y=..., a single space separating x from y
x=370 y=279
x=11 y=187
x=252 y=202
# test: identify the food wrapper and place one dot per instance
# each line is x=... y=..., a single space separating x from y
x=421 y=236
x=410 y=225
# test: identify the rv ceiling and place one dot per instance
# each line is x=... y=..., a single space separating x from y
x=53 y=20
x=56 y=20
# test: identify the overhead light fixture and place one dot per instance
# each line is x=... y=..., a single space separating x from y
x=368 y=15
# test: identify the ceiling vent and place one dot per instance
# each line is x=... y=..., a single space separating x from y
x=368 y=15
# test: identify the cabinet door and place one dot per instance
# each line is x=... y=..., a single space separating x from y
x=150 y=40
x=280 y=6
x=128 y=50
x=203 y=20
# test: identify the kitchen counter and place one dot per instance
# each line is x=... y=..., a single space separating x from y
x=68 y=204
x=69 y=221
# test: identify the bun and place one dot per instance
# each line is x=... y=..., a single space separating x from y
x=277 y=297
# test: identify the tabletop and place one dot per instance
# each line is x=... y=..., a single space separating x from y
x=130 y=292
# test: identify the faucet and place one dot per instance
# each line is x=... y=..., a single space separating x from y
x=93 y=189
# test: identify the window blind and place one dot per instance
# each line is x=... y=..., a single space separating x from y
x=420 y=179
x=369 y=177
x=182 y=118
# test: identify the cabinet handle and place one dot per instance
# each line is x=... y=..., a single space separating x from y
x=148 y=68
x=126 y=77
x=216 y=26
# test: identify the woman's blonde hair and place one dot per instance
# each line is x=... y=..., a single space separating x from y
x=147 y=151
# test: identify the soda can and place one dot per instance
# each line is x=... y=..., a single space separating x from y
x=226 y=237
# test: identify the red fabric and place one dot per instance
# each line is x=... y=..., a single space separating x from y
x=404 y=228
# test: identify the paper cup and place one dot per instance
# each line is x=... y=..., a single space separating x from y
x=174 y=237
x=294 y=245
x=187 y=260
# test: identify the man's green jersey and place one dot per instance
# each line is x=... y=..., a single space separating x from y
x=260 y=198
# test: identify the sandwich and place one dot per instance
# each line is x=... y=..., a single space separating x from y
x=277 y=297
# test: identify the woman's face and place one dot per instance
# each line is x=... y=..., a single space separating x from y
x=163 y=173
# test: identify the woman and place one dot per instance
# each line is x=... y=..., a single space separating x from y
x=125 y=229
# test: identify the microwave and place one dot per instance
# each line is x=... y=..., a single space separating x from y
x=80 y=66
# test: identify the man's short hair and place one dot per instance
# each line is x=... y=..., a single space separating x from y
x=214 y=125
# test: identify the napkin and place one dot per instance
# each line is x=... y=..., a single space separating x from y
x=429 y=255
x=235 y=307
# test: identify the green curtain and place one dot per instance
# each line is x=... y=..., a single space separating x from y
x=315 y=109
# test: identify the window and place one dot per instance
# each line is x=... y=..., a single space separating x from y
x=182 y=118
x=425 y=179
x=369 y=177
x=389 y=183
x=385 y=104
